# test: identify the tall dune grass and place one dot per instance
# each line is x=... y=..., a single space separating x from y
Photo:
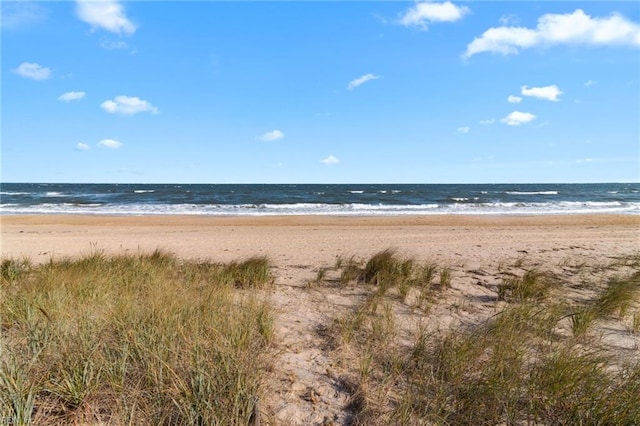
x=515 y=368
x=132 y=340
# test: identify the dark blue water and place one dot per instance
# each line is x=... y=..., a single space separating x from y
x=342 y=200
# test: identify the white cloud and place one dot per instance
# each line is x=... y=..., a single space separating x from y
x=330 y=160
x=105 y=14
x=553 y=29
x=82 y=146
x=72 y=96
x=273 y=135
x=549 y=93
x=110 y=143
x=589 y=83
x=361 y=80
x=517 y=118
x=128 y=105
x=488 y=121
x=33 y=71
x=427 y=12
x=464 y=129
x=514 y=99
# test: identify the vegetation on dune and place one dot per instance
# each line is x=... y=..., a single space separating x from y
x=149 y=339
x=517 y=367
x=132 y=339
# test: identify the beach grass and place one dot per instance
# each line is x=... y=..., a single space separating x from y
x=150 y=339
x=143 y=339
x=516 y=367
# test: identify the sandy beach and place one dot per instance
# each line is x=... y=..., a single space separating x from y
x=317 y=240
x=476 y=248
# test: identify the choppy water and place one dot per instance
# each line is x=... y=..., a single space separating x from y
x=340 y=200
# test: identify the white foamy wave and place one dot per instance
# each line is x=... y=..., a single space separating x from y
x=353 y=209
x=143 y=191
x=356 y=192
x=532 y=193
x=13 y=193
x=54 y=194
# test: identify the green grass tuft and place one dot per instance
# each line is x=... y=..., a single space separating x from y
x=532 y=286
x=132 y=339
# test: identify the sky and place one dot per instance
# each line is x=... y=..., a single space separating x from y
x=320 y=92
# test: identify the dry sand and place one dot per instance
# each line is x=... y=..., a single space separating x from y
x=303 y=387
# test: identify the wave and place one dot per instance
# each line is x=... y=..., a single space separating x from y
x=143 y=191
x=14 y=193
x=356 y=192
x=351 y=209
x=532 y=192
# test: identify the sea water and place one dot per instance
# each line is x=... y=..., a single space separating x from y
x=317 y=199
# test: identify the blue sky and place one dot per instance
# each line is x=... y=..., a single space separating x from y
x=320 y=92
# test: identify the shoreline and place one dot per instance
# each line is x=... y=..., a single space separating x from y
x=290 y=220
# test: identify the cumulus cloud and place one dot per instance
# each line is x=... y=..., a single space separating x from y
x=33 y=71
x=464 y=129
x=273 y=135
x=110 y=143
x=589 y=83
x=517 y=118
x=361 y=80
x=330 y=160
x=72 y=96
x=549 y=93
x=82 y=146
x=422 y=14
x=487 y=121
x=106 y=14
x=514 y=99
x=128 y=105
x=554 y=29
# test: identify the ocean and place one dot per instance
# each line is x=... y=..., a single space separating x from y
x=317 y=199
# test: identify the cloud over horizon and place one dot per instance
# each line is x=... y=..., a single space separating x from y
x=330 y=160
x=361 y=80
x=128 y=105
x=555 y=29
x=425 y=13
x=33 y=70
x=82 y=146
x=106 y=14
